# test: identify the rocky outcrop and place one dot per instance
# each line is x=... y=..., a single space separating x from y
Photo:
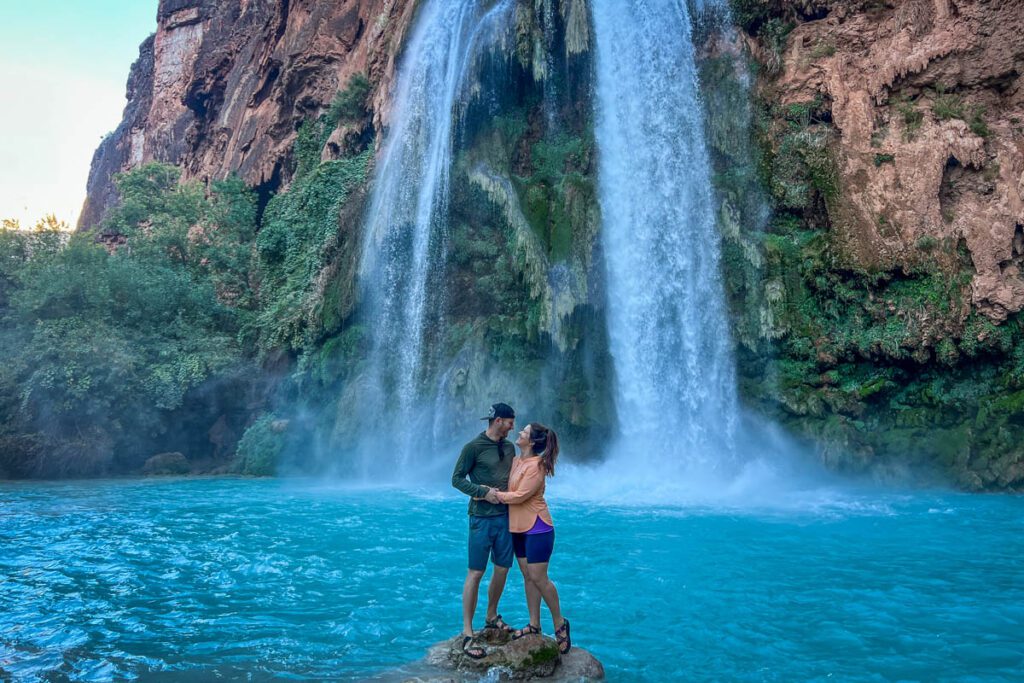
x=532 y=658
x=927 y=99
x=223 y=86
x=166 y=463
x=877 y=304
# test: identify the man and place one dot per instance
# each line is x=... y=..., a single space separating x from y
x=486 y=460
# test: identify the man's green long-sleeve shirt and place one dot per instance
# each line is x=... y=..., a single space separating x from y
x=480 y=461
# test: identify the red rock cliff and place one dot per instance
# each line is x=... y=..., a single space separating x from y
x=928 y=101
x=223 y=85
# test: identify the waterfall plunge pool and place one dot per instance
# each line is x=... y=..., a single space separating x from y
x=192 y=579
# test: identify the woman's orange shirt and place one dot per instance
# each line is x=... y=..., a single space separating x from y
x=525 y=495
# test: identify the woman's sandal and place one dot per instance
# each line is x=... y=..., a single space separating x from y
x=562 y=637
x=525 y=631
x=498 y=623
x=474 y=651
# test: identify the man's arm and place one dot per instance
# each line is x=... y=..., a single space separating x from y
x=530 y=484
x=462 y=469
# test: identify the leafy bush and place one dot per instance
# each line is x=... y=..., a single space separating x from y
x=260 y=448
x=750 y=14
x=349 y=105
x=911 y=116
x=947 y=105
x=104 y=346
x=299 y=233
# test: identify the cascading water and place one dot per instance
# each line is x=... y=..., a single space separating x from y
x=402 y=266
x=668 y=330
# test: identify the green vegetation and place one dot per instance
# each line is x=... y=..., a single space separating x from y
x=773 y=34
x=558 y=185
x=976 y=122
x=104 y=348
x=750 y=14
x=822 y=49
x=546 y=653
x=349 y=105
x=260 y=448
x=872 y=365
x=911 y=116
x=298 y=238
x=144 y=336
x=948 y=105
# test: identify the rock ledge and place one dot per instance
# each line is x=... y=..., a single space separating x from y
x=532 y=658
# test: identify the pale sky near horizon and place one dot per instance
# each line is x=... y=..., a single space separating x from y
x=63 y=69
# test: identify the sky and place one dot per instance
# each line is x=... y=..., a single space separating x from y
x=63 y=69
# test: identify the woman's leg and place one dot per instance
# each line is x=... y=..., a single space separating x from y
x=538 y=549
x=532 y=594
x=539 y=577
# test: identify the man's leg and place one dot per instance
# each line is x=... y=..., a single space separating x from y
x=501 y=554
x=479 y=548
x=494 y=591
x=470 y=591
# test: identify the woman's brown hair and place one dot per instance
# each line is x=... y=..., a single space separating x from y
x=544 y=442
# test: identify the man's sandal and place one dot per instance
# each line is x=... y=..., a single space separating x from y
x=562 y=637
x=474 y=651
x=525 y=631
x=498 y=623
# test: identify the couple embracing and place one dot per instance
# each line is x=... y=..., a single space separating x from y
x=508 y=516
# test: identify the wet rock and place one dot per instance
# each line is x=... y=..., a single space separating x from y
x=532 y=658
x=166 y=463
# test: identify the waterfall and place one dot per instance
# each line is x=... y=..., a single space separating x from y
x=669 y=336
x=402 y=266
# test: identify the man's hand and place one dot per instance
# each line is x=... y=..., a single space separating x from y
x=492 y=496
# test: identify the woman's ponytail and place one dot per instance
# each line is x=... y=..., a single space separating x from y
x=545 y=444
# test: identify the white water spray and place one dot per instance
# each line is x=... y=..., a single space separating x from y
x=667 y=318
x=402 y=266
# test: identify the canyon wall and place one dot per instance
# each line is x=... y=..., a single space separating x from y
x=222 y=87
x=877 y=307
x=869 y=169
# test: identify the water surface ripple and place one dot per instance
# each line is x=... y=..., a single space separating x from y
x=196 y=579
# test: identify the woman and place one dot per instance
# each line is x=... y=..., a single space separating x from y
x=533 y=531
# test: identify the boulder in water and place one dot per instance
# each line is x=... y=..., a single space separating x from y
x=166 y=463
x=531 y=658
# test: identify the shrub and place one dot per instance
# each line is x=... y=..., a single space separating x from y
x=166 y=463
x=947 y=105
x=976 y=122
x=259 y=450
x=824 y=48
x=94 y=335
x=911 y=117
x=750 y=14
x=349 y=105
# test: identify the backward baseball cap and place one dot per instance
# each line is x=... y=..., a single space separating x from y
x=500 y=410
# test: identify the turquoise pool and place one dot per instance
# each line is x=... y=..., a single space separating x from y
x=195 y=578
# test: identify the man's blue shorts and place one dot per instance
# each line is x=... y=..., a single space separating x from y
x=489 y=536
